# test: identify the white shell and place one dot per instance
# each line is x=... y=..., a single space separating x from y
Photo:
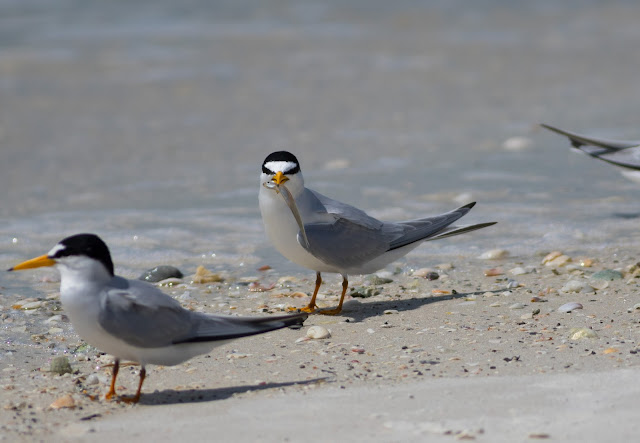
x=568 y=307
x=318 y=332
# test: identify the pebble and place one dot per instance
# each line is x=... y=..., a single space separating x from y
x=318 y=332
x=31 y=305
x=160 y=273
x=576 y=286
x=428 y=273
x=599 y=284
x=494 y=254
x=516 y=306
x=364 y=292
x=568 y=307
x=579 y=333
x=60 y=365
x=376 y=280
x=607 y=274
x=92 y=379
x=518 y=271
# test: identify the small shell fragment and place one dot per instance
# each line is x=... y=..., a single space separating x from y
x=576 y=286
x=580 y=333
x=493 y=272
x=568 y=307
x=318 y=332
x=66 y=401
x=203 y=275
x=494 y=254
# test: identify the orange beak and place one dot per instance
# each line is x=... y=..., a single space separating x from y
x=279 y=178
x=37 y=262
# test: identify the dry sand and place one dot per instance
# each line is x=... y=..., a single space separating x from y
x=465 y=356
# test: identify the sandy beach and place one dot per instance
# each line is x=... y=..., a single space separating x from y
x=146 y=123
x=464 y=356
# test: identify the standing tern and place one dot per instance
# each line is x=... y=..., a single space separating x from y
x=625 y=154
x=334 y=236
x=132 y=319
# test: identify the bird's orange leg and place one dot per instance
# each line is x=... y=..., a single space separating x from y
x=311 y=307
x=338 y=309
x=136 y=398
x=114 y=375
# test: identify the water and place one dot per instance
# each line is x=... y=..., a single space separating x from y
x=147 y=122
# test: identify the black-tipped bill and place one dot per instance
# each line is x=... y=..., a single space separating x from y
x=37 y=262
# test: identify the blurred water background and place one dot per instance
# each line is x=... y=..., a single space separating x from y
x=147 y=122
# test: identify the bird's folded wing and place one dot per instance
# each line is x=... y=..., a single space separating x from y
x=143 y=316
x=345 y=244
x=220 y=327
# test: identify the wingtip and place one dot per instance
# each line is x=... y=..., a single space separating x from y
x=469 y=205
x=10 y=269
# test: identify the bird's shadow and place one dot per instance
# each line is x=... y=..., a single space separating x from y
x=361 y=311
x=172 y=396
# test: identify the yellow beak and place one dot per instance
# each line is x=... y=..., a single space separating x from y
x=37 y=262
x=279 y=178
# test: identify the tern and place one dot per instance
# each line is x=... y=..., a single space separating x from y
x=326 y=235
x=132 y=319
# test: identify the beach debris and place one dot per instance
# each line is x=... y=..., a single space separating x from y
x=556 y=258
x=358 y=349
x=576 y=286
x=318 y=332
x=568 y=307
x=610 y=350
x=390 y=311
x=160 y=273
x=493 y=272
x=580 y=333
x=66 y=401
x=60 y=365
x=264 y=268
x=512 y=284
x=377 y=280
x=586 y=262
x=607 y=274
x=203 y=275
x=516 y=306
x=494 y=254
x=636 y=306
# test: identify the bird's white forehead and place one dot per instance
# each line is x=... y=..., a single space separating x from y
x=282 y=166
x=55 y=249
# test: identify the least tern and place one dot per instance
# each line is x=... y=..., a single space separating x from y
x=133 y=320
x=339 y=238
x=625 y=154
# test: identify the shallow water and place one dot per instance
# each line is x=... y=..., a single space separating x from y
x=147 y=123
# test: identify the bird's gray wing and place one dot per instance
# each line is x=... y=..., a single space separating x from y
x=221 y=327
x=627 y=158
x=579 y=141
x=435 y=227
x=344 y=211
x=142 y=315
x=345 y=244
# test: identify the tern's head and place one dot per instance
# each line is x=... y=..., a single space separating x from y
x=84 y=254
x=282 y=167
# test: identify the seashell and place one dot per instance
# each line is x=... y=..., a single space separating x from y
x=518 y=271
x=493 y=272
x=559 y=261
x=65 y=401
x=599 y=284
x=580 y=333
x=203 y=275
x=576 y=286
x=494 y=254
x=610 y=350
x=390 y=311
x=550 y=256
x=568 y=307
x=516 y=306
x=357 y=349
x=586 y=262
x=318 y=332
